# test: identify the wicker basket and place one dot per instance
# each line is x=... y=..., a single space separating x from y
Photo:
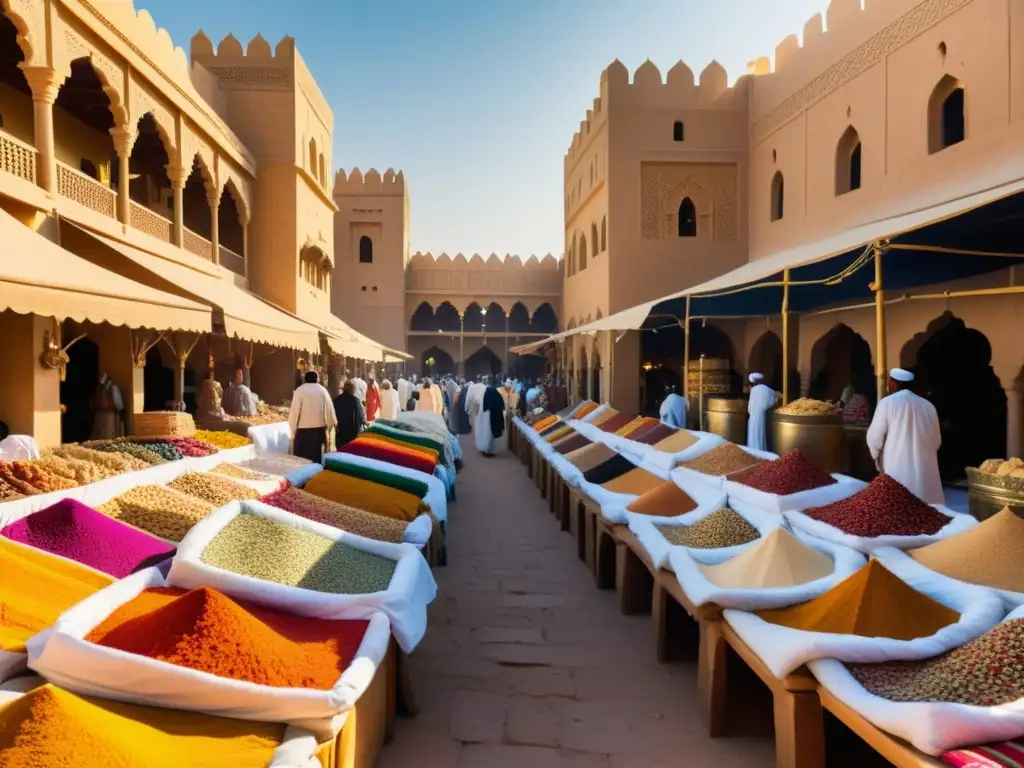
x=164 y=424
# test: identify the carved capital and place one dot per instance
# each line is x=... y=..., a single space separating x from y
x=44 y=82
x=124 y=140
x=177 y=175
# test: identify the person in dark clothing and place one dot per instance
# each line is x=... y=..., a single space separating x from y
x=490 y=422
x=413 y=400
x=349 y=412
x=463 y=426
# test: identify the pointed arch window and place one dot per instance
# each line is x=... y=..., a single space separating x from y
x=365 y=250
x=312 y=157
x=678 y=131
x=848 y=162
x=687 y=218
x=947 y=115
x=778 y=197
x=593 y=238
x=583 y=253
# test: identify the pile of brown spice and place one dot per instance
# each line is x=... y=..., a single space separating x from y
x=792 y=473
x=723 y=460
x=884 y=508
x=985 y=672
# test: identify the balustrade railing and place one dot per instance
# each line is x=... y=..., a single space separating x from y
x=198 y=245
x=85 y=190
x=150 y=222
x=17 y=157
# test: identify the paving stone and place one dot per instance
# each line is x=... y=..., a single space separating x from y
x=510 y=636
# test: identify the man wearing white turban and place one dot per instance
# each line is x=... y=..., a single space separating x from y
x=904 y=439
x=762 y=399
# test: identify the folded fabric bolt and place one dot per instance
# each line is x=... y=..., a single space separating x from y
x=570 y=444
x=408 y=484
x=365 y=495
x=428 y=453
x=382 y=452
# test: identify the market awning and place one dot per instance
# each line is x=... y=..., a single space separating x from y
x=944 y=235
x=343 y=339
x=243 y=314
x=37 y=276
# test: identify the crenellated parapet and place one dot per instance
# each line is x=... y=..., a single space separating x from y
x=355 y=183
x=679 y=89
x=509 y=262
x=255 y=66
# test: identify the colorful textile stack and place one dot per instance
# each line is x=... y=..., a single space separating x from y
x=391 y=453
x=366 y=495
x=417 y=488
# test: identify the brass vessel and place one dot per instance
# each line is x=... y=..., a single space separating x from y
x=726 y=417
x=821 y=438
x=987 y=494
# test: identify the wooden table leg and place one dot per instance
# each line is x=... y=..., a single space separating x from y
x=589 y=537
x=799 y=730
x=605 y=556
x=634 y=582
x=712 y=678
x=563 y=503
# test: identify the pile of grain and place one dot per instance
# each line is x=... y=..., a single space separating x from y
x=722 y=460
x=988 y=554
x=215 y=489
x=635 y=482
x=780 y=559
x=266 y=549
x=806 y=406
x=162 y=511
x=322 y=510
x=873 y=602
x=722 y=528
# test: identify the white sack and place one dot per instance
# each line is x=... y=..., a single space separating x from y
x=658 y=548
x=893 y=558
x=12 y=664
x=437 y=494
x=405 y=600
x=783 y=649
x=718 y=481
x=932 y=727
x=700 y=590
x=958 y=523
x=271 y=438
x=68 y=660
x=843 y=488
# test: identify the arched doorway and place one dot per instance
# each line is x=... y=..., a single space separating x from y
x=595 y=378
x=720 y=374
x=473 y=319
x=519 y=319
x=766 y=359
x=436 y=362
x=582 y=374
x=157 y=381
x=83 y=376
x=544 y=320
x=661 y=361
x=838 y=358
x=446 y=318
x=483 y=362
x=953 y=367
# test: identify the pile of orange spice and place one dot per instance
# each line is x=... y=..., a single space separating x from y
x=205 y=630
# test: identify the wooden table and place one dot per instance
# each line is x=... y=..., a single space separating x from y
x=799 y=728
x=896 y=751
x=579 y=524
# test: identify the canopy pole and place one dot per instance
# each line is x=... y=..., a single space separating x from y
x=785 y=336
x=686 y=351
x=881 y=356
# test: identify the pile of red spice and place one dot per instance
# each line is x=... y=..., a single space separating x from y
x=884 y=508
x=792 y=473
x=205 y=630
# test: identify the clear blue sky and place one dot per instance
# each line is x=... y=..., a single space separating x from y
x=477 y=100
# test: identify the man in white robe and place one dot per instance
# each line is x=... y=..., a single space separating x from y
x=475 y=400
x=390 y=401
x=762 y=400
x=404 y=392
x=673 y=411
x=904 y=439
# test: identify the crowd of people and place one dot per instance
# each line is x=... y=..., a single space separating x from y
x=320 y=422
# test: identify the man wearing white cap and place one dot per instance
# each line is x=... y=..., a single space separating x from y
x=762 y=399
x=904 y=439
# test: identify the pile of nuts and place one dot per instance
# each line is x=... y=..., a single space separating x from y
x=159 y=510
x=128 y=448
x=331 y=513
x=805 y=406
x=189 y=446
x=265 y=549
x=115 y=462
x=82 y=472
x=28 y=478
x=215 y=489
x=722 y=528
x=240 y=473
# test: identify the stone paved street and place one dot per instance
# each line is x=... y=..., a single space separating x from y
x=526 y=664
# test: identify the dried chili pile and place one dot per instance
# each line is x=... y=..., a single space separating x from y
x=189 y=446
x=985 y=672
x=884 y=508
x=208 y=631
x=792 y=473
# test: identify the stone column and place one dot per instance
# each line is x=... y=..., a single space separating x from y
x=124 y=140
x=214 y=201
x=178 y=178
x=45 y=84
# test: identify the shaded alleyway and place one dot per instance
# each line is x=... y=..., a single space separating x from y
x=527 y=665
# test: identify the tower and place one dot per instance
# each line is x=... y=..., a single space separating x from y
x=371 y=235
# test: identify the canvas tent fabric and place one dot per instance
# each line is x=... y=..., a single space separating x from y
x=40 y=277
